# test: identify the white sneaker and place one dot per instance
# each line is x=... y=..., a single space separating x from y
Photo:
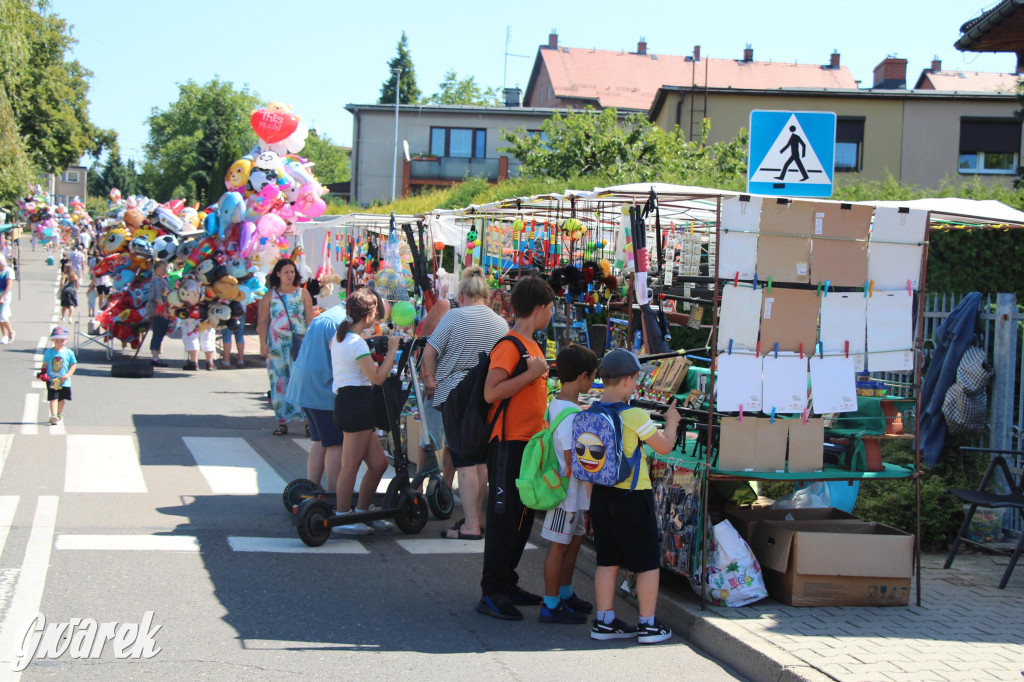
x=53 y=420
x=352 y=528
x=380 y=524
x=11 y=340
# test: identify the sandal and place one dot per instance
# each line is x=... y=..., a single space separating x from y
x=455 y=533
x=281 y=430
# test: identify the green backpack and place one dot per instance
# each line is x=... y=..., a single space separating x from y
x=540 y=485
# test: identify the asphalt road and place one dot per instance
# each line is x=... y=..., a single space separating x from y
x=163 y=495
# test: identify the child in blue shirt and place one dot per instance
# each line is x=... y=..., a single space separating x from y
x=59 y=365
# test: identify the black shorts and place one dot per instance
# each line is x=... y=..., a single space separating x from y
x=102 y=290
x=353 y=409
x=322 y=428
x=63 y=394
x=625 y=528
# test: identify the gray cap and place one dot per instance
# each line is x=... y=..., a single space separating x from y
x=619 y=363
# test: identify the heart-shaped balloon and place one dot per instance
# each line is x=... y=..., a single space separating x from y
x=273 y=126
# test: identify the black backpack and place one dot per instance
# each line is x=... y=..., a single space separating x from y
x=467 y=429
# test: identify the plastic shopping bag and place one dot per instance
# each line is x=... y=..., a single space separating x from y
x=734 y=576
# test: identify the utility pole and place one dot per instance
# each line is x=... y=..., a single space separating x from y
x=394 y=159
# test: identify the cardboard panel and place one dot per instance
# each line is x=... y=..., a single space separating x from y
x=785 y=258
x=806 y=441
x=746 y=519
x=770 y=449
x=789 y=317
x=835 y=257
x=737 y=444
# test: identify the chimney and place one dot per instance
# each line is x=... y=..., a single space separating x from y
x=748 y=53
x=641 y=47
x=936 y=65
x=696 y=53
x=891 y=74
x=833 y=62
x=553 y=39
x=512 y=96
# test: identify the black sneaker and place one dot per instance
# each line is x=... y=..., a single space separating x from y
x=190 y=366
x=498 y=606
x=562 y=614
x=614 y=630
x=159 y=363
x=578 y=605
x=652 y=634
x=521 y=597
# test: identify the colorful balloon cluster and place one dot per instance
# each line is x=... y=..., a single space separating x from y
x=52 y=223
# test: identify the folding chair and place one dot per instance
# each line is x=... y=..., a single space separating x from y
x=983 y=498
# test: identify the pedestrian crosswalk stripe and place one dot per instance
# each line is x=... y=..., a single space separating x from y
x=165 y=543
x=232 y=467
x=445 y=546
x=294 y=545
x=103 y=464
x=30 y=415
x=8 y=505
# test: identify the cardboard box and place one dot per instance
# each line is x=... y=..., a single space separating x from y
x=746 y=519
x=835 y=563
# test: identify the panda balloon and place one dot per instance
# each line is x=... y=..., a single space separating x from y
x=165 y=247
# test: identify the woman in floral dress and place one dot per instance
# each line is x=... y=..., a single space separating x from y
x=285 y=310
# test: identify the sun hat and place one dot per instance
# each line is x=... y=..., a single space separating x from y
x=59 y=333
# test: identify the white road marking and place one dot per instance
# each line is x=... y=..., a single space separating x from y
x=385 y=480
x=108 y=543
x=30 y=414
x=37 y=359
x=295 y=546
x=8 y=505
x=5 y=450
x=103 y=464
x=28 y=592
x=232 y=467
x=445 y=546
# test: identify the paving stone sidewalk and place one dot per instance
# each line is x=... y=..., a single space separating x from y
x=965 y=629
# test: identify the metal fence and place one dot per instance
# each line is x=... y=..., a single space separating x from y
x=1001 y=325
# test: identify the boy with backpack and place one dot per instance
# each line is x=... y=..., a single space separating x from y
x=516 y=387
x=608 y=451
x=565 y=526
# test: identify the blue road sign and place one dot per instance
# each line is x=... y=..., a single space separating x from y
x=791 y=153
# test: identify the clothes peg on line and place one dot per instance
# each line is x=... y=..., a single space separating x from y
x=827 y=283
x=821 y=350
x=818 y=292
x=754 y=285
x=773 y=416
x=871 y=287
x=806 y=410
x=801 y=351
x=741 y=413
x=847 y=349
x=730 y=346
x=736 y=279
x=770 y=284
x=910 y=289
x=776 y=351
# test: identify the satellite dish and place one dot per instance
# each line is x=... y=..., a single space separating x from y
x=405 y=148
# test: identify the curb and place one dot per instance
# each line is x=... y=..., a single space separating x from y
x=753 y=657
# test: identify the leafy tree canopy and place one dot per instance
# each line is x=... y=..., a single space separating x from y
x=455 y=90
x=193 y=142
x=409 y=93
x=331 y=162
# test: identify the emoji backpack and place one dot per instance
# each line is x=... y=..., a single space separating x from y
x=597 y=455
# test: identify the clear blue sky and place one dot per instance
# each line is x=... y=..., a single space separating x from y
x=318 y=56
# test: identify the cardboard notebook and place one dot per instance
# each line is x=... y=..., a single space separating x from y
x=789 y=317
x=784 y=245
x=839 y=247
x=806 y=445
x=752 y=445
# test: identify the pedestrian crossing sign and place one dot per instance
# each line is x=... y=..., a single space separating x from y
x=791 y=153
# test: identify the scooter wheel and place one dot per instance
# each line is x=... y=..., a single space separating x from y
x=312 y=530
x=440 y=499
x=412 y=513
x=392 y=494
x=292 y=494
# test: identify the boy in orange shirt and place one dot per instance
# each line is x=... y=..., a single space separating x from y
x=520 y=378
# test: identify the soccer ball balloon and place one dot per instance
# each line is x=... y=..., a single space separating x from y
x=164 y=247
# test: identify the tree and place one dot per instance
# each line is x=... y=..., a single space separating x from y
x=452 y=90
x=330 y=162
x=409 y=94
x=193 y=142
x=117 y=173
x=44 y=121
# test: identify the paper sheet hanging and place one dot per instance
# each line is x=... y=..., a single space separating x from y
x=737 y=251
x=739 y=318
x=739 y=383
x=844 y=319
x=890 y=332
x=890 y=265
x=784 y=386
x=833 y=384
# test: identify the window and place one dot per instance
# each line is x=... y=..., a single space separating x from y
x=989 y=146
x=463 y=143
x=69 y=176
x=849 y=144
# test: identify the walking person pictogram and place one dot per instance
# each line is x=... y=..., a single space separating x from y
x=797 y=149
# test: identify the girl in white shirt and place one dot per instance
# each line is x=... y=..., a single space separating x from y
x=354 y=375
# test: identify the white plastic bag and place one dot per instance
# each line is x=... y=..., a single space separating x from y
x=734 y=576
x=814 y=496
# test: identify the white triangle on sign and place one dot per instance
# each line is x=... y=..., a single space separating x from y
x=783 y=160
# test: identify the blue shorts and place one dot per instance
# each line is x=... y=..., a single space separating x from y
x=239 y=334
x=322 y=428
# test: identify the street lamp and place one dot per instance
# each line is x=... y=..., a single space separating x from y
x=394 y=158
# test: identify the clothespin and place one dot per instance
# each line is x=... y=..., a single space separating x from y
x=776 y=351
x=871 y=287
x=801 y=351
x=805 y=415
x=736 y=279
x=730 y=346
x=741 y=413
x=866 y=286
x=827 y=283
x=773 y=416
x=847 y=349
x=754 y=285
x=910 y=289
x=758 y=351
x=770 y=284
x=818 y=292
x=821 y=350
